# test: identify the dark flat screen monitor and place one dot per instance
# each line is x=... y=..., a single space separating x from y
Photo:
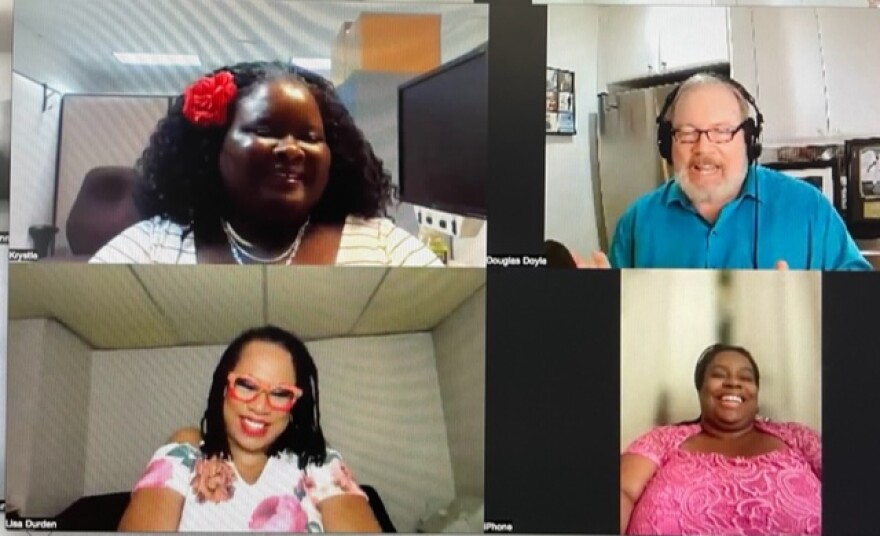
x=443 y=135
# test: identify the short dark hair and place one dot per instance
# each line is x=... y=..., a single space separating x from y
x=709 y=355
x=179 y=173
x=303 y=436
x=706 y=359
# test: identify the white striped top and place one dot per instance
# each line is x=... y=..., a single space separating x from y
x=364 y=242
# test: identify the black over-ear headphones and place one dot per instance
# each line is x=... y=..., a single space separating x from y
x=751 y=130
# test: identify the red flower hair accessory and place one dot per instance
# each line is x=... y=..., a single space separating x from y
x=205 y=100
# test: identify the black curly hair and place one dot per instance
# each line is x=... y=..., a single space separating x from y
x=179 y=174
x=303 y=436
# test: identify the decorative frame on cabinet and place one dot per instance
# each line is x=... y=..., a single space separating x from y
x=863 y=179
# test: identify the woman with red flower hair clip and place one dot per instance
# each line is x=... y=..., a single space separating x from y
x=259 y=461
x=261 y=163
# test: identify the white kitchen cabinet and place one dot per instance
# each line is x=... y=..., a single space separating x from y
x=791 y=87
x=799 y=3
x=851 y=41
x=781 y=65
x=813 y=71
x=768 y=3
x=638 y=41
x=628 y=43
x=742 y=49
x=731 y=3
x=692 y=36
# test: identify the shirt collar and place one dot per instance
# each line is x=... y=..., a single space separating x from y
x=749 y=189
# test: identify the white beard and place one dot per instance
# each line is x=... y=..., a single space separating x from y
x=721 y=192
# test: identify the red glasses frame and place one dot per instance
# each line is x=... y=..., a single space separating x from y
x=263 y=388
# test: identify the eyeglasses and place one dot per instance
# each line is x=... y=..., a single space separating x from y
x=714 y=135
x=245 y=388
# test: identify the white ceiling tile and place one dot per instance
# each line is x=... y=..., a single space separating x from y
x=206 y=304
x=417 y=299
x=118 y=306
x=316 y=302
x=105 y=305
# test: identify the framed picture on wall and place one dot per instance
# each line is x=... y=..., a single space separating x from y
x=552 y=102
x=863 y=181
x=823 y=174
x=560 y=102
x=551 y=80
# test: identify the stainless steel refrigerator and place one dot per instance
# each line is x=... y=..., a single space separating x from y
x=629 y=165
x=5 y=144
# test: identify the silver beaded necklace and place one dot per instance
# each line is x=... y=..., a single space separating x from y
x=239 y=246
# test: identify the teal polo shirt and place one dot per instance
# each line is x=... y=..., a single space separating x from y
x=795 y=223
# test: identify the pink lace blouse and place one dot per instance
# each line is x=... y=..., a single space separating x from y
x=705 y=493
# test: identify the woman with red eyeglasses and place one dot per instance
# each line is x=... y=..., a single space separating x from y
x=259 y=462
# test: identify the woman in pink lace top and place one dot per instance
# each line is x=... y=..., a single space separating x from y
x=728 y=472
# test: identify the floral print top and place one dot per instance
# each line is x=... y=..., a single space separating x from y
x=283 y=499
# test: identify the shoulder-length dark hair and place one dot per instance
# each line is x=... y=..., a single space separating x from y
x=179 y=173
x=706 y=359
x=303 y=436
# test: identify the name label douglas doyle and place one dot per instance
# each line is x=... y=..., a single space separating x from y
x=37 y=524
x=506 y=261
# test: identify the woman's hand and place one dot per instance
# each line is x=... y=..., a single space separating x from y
x=348 y=513
x=597 y=260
